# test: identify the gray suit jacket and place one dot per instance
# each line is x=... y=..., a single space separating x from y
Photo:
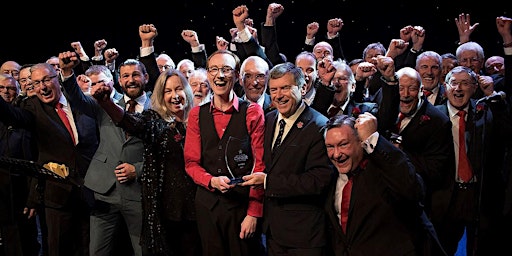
x=113 y=149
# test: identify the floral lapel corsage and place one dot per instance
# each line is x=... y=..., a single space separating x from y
x=479 y=110
x=178 y=137
x=424 y=119
x=356 y=112
x=300 y=125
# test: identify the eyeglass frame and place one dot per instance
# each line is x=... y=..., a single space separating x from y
x=226 y=70
x=47 y=81
x=464 y=83
x=259 y=77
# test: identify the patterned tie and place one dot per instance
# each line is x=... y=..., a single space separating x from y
x=277 y=143
x=464 y=169
x=345 y=203
x=65 y=120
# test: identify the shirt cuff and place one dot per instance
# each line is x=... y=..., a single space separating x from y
x=310 y=41
x=97 y=58
x=370 y=143
x=64 y=78
x=243 y=36
x=199 y=48
x=146 y=51
x=507 y=50
x=331 y=37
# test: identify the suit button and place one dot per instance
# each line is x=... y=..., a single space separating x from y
x=219 y=170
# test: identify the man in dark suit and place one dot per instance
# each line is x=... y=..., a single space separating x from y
x=429 y=66
x=253 y=78
x=336 y=98
x=18 y=229
x=474 y=204
x=67 y=212
x=386 y=192
x=297 y=169
x=421 y=131
x=117 y=164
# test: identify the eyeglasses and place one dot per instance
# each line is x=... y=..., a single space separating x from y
x=259 y=77
x=24 y=81
x=164 y=67
x=463 y=83
x=46 y=81
x=11 y=72
x=202 y=85
x=226 y=70
x=12 y=88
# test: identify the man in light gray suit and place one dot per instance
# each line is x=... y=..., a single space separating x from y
x=117 y=164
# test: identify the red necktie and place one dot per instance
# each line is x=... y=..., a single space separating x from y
x=345 y=203
x=426 y=92
x=464 y=170
x=399 y=123
x=65 y=120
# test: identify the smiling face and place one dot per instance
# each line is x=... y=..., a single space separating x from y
x=343 y=87
x=408 y=88
x=253 y=77
x=307 y=64
x=222 y=74
x=198 y=81
x=430 y=72
x=285 y=94
x=132 y=80
x=460 y=87
x=46 y=83
x=8 y=87
x=174 y=95
x=343 y=148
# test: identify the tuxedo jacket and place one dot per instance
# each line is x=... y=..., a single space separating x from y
x=383 y=217
x=55 y=144
x=298 y=173
x=441 y=96
x=488 y=137
x=114 y=147
x=427 y=140
x=323 y=100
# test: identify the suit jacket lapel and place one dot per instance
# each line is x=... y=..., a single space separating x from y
x=302 y=121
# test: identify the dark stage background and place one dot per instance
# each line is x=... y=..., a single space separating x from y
x=40 y=30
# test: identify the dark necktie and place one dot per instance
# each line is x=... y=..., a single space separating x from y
x=464 y=169
x=131 y=106
x=345 y=203
x=282 y=123
x=333 y=111
x=131 y=109
x=65 y=120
